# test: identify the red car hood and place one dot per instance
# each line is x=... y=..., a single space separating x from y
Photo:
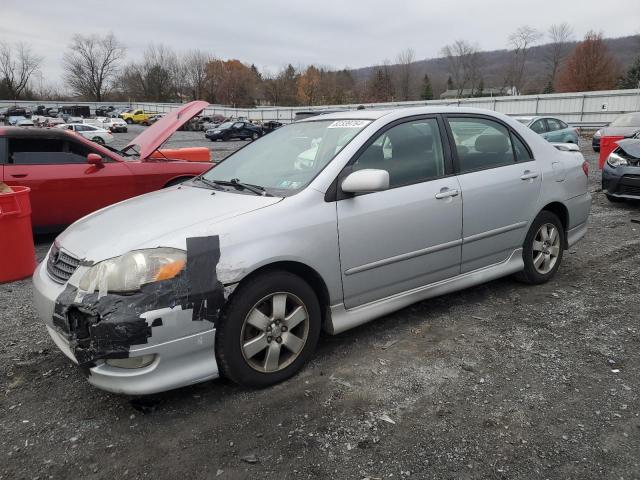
x=150 y=140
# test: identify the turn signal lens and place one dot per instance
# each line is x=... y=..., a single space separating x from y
x=585 y=168
x=169 y=270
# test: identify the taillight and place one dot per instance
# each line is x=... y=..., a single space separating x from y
x=585 y=168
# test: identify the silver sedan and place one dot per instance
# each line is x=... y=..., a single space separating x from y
x=327 y=223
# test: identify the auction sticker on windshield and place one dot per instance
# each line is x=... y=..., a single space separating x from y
x=349 y=124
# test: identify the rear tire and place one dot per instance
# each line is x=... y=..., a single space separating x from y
x=269 y=329
x=98 y=140
x=542 y=250
x=129 y=121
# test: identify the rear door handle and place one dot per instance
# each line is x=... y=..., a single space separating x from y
x=446 y=193
x=18 y=175
x=529 y=175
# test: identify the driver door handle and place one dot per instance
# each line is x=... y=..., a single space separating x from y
x=446 y=193
x=18 y=175
x=529 y=175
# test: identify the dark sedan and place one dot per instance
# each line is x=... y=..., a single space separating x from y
x=626 y=125
x=229 y=130
x=621 y=172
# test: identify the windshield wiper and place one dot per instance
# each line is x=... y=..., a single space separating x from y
x=208 y=183
x=234 y=182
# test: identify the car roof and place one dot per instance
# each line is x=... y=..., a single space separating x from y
x=376 y=113
x=47 y=132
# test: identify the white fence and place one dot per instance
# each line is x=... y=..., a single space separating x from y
x=580 y=109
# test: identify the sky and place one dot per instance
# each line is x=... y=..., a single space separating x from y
x=273 y=33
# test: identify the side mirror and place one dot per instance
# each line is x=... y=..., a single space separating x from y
x=94 y=159
x=365 y=181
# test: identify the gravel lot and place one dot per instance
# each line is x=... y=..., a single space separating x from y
x=501 y=381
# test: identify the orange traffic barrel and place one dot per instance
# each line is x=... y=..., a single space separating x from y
x=17 y=253
x=607 y=145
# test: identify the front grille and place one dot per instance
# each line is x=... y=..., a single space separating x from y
x=61 y=265
x=628 y=190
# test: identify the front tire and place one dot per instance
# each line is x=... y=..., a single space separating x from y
x=98 y=140
x=129 y=121
x=269 y=330
x=542 y=250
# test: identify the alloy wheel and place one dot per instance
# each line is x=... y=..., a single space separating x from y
x=274 y=332
x=546 y=248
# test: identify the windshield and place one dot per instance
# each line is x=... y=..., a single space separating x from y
x=224 y=125
x=630 y=120
x=286 y=160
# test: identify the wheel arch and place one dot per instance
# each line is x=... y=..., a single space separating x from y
x=307 y=273
x=562 y=212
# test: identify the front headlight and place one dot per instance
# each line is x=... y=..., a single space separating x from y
x=132 y=270
x=616 y=160
x=598 y=134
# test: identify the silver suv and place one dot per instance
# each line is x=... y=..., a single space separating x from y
x=326 y=223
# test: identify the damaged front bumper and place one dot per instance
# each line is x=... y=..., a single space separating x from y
x=180 y=342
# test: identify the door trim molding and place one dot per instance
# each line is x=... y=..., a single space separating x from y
x=495 y=231
x=402 y=256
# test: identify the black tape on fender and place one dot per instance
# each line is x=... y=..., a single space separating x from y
x=107 y=326
x=206 y=292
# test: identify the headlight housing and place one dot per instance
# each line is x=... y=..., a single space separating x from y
x=129 y=272
x=616 y=160
x=598 y=134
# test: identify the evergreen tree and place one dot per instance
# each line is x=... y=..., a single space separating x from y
x=450 y=85
x=427 y=91
x=548 y=88
x=480 y=90
x=632 y=78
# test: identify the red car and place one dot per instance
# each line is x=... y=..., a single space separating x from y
x=70 y=176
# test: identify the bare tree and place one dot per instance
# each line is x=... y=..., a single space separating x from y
x=520 y=41
x=463 y=62
x=17 y=64
x=560 y=36
x=195 y=64
x=405 y=61
x=91 y=64
x=591 y=66
x=154 y=77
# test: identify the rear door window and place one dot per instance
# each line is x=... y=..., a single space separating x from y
x=539 y=126
x=481 y=143
x=554 y=124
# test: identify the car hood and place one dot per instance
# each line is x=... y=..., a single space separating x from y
x=164 y=218
x=619 y=131
x=150 y=140
x=630 y=146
